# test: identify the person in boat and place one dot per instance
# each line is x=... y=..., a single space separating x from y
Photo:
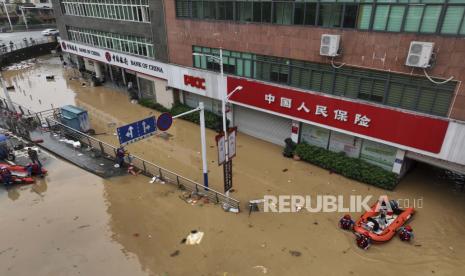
x=6 y=176
x=35 y=160
x=346 y=222
x=406 y=233
x=363 y=241
x=382 y=220
x=28 y=168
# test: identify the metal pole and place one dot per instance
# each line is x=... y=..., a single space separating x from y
x=8 y=15
x=223 y=110
x=24 y=18
x=7 y=95
x=221 y=62
x=202 y=138
x=204 y=144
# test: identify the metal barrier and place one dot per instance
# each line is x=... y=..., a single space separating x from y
x=146 y=167
x=7 y=47
x=21 y=125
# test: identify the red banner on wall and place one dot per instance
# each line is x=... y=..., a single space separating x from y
x=416 y=131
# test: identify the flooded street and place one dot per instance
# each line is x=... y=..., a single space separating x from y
x=60 y=226
x=75 y=223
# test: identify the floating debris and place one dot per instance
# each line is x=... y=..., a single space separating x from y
x=263 y=269
x=195 y=237
x=21 y=65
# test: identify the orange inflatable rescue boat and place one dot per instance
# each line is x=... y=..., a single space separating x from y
x=381 y=223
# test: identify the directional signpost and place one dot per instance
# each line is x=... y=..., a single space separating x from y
x=136 y=131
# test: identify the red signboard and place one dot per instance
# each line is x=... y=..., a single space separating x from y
x=194 y=82
x=416 y=131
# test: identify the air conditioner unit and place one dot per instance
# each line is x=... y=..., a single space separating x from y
x=419 y=54
x=329 y=45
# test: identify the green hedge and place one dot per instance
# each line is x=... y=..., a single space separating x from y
x=212 y=120
x=349 y=167
x=153 y=105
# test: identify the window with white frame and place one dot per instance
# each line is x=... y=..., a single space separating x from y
x=124 y=43
x=128 y=10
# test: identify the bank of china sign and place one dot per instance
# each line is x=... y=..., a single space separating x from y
x=144 y=66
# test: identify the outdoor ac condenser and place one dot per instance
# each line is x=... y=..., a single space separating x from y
x=419 y=54
x=329 y=45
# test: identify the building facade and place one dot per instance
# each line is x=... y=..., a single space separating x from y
x=377 y=79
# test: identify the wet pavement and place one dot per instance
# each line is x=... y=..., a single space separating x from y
x=80 y=155
x=147 y=221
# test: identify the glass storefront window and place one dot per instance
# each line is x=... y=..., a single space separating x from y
x=127 y=10
x=113 y=41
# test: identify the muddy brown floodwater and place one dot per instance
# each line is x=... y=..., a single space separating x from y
x=146 y=222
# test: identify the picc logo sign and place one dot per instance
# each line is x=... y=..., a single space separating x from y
x=194 y=82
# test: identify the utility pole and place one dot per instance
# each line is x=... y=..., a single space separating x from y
x=224 y=99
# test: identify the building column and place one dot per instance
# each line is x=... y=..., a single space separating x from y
x=139 y=94
x=295 y=130
x=98 y=70
x=111 y=74
x=123 y=72
x=400 y=167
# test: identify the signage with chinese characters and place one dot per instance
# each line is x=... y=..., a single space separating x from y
x=194 y=82
x=232 y=132
x=138 y=64
x=221 y=149
x=227 y=170
x=232 y=142
x=403 y=128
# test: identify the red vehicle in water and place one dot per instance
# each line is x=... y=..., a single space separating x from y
x=21 y=174
x=380 y=223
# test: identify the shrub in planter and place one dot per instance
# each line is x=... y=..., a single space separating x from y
x=212 y=120
x=153 y=105
x=353 y=168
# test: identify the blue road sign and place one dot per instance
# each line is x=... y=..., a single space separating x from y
x=164 y=122
x=136 y=131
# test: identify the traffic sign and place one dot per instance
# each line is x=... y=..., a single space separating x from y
x=221 y=149
x=232 y=142
x=136 y=131
x=164 y=122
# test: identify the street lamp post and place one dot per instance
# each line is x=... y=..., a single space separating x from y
x=7 y=14
x=203 y=139
x=24 y=17
x=224 y=99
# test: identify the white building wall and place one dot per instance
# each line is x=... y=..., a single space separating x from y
x=453 y=148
